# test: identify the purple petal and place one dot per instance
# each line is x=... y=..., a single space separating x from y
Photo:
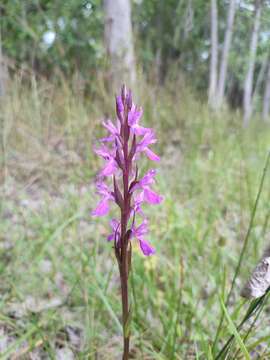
x=115 y=224
x=148 y=139
x=118 y=144
x=137 y=209
x=110 y=237
x=102 y=189
x=115 y=235
x=119 y=104
x=107 y=139
x=148 y=178
x=102 y=208
x=139 y=130
x=138 y=200
x=140 y=230
x=151 y=197
x=104 y=152
x=151 y=155
x=134 y=115
x=137 y=204
x=146 y=248
x=110 y=127
x=109 y=169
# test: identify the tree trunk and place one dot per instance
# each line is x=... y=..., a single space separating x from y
x=188 y=19
x=119 y=41
x=260 y=78
x=266 y=98
x=225 y=53
x=248 y=84
x=3 y=71
x=214 y=55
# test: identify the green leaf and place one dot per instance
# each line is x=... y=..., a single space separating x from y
x=235 y=332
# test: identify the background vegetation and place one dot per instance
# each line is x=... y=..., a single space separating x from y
x=59 y=283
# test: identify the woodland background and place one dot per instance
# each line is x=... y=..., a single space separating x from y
x=201 y=71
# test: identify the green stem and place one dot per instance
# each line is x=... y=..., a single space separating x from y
x=177 y=309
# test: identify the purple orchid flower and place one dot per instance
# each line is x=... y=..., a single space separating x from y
x=133 y=119
x=137 y=207
x=103 y=205
x=114 y=131
x=147 y=194
x=139 y=234
x=109 y=155
x=115 y=235
x=110 y=168
x=148 y=139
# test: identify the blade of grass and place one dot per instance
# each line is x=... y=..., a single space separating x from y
x=178 y=305
x=108 y=307
x=236 y=334
x=10 y=349
x=210 y=354
x=57 y=233
x=263 y=339
x=136 y=312
x=253 y=307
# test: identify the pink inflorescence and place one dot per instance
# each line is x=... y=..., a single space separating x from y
x=121 y=150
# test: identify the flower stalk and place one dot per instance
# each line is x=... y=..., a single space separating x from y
x=121 y=150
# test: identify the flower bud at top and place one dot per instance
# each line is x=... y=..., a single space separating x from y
x=123 y=94
x=119 y=107
x=129 y=100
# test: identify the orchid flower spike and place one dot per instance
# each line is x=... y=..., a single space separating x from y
x=127 y=140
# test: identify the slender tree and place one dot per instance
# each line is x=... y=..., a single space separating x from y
x=266 y=97
x=3 y=70
x=119 y=41
x=189 y=19
x=260 y=79
x=248 y=84
x=214 y=55
x=225 y=53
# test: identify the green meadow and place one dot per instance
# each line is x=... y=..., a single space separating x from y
x=59 y=282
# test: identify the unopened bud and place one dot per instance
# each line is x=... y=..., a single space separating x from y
x=123 y=93
x=129 y=100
